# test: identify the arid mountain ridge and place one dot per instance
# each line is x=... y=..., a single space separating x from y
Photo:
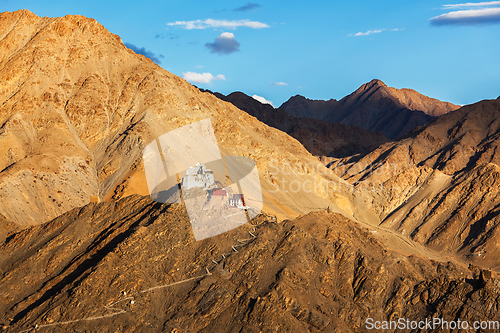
x=439 y=186
x=68 y=163
x=353 y=125
x=78 y=107
x=110 y=266
x=422 y=176
x=318 y=137
x=408 y=229
x=374 y=106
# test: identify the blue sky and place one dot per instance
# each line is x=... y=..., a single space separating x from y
x=319 y=49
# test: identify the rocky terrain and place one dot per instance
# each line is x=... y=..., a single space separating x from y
x=440 y=185
x=6 y=228
x=114 y=266
x=318 y=137
x=302 y=107
x=77 y=108
x=374 y=107
x=407 y=230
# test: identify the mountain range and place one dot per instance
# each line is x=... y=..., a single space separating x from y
x=375 y=107
x=439 y=184
x=133 y=265
x=356 y=124
x=318 y=137
x=77 y=108
x=372 y=228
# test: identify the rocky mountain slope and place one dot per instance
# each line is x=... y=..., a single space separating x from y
x=134 y=266
x=318 y=137
x=77 y=108
x=302 y=107
x=6 y=228
x=440 y=185
x=375 y=107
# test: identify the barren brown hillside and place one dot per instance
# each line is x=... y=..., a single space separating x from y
x=77 y=108
x=440 y=185
x=134 y=266
x=405 y=231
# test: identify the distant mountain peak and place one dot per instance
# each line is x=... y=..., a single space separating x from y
x=375 y=83
x=298 y=97
x=371 y=87
x=303 y=98
x=374 y=106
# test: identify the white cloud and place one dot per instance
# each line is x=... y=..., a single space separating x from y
x=369 y=32
x=262 y=100
x=473 y=4
x=279 y=83
x=226 y=24
x=201 y=77
x=468 y=17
